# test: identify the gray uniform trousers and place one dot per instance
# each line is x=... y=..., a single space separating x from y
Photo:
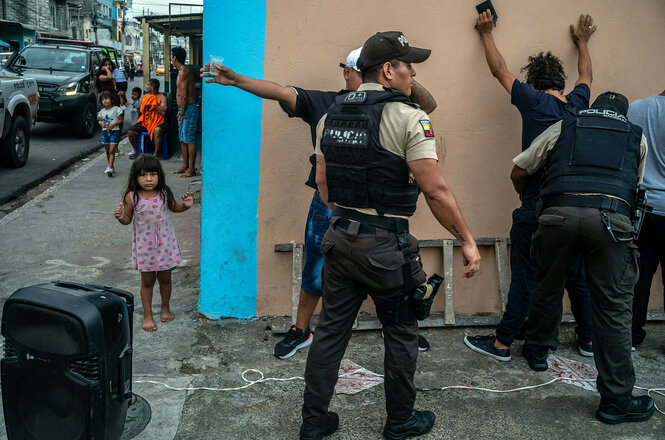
x=563 y=234
x=357 y=263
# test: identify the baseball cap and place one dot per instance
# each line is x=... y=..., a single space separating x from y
x=352 y=59
x=385 y=46
x=613 y=101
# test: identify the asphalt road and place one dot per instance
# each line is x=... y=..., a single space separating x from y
x=53 y=147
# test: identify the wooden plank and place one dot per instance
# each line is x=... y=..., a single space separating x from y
x=501 y=257
x=483 y=241
x=296 y=278
x=448 y=282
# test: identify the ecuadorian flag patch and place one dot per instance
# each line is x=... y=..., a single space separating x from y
x=427 y=127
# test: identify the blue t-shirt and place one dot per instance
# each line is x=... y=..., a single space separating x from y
x=649 y=113
x=311 y=105
x=539 y=110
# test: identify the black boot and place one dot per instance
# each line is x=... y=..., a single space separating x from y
x=313 y=432
x=632 y=409
x=419 y=423
x=536 y=357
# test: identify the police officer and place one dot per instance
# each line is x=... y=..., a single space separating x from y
x=375 y=153
x=593 y=162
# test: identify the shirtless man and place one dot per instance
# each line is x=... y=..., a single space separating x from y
x=188 y=114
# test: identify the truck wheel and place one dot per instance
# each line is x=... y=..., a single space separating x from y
x=84 y=124
x=15 y=147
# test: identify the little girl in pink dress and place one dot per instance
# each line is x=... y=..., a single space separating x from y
x=155 y=249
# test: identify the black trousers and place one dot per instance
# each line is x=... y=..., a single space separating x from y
x=565 y=233
x=357 y=264
x=651 y=245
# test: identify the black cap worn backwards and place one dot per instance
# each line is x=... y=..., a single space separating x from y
x=613 y=101
x=385 y=46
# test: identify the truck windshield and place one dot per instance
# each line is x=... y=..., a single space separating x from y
x=52 y=58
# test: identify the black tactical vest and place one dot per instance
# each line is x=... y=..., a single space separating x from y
x=360 y=173
x=598 y=151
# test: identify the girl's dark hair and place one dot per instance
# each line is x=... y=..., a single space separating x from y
x=545 y=72
x=148 y=163
x=105 y=94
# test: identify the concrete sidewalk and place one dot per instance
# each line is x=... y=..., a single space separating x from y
x=69 y=233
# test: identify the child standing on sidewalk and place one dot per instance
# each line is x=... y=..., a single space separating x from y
x=155 y=249
x=136 y=104
x=120 y=84
x=110 y=118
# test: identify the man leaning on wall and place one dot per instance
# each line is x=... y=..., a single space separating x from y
x=541 y=103
x=310 y=106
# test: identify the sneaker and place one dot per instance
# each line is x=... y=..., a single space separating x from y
x=485 y=345
x=585 y=348
x=292 y=342
x=109 y=171
x=419 y=423
x=423 y=345
x=536 y=357
x=132 y=155
x=313 y=432
x=632 y=409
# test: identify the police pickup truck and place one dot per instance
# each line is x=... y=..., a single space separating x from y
x=19 y=101
x=65 y=74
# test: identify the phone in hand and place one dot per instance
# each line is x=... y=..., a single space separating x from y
x=484 y=6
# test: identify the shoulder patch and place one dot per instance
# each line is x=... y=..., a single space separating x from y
x=427 y=127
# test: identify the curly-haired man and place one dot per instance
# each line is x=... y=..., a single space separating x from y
x=541 y=102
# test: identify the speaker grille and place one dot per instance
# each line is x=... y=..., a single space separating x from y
x=88 y=368
x=9 y=350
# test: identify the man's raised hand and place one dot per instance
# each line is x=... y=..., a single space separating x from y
x=485 y=22
x=584 y=29
x=225 y=76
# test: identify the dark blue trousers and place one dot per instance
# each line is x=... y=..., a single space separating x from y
x=525 y=224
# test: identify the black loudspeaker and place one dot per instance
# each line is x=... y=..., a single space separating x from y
x=67 y=364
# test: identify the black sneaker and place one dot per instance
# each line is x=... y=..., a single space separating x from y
x=423 y=345
x=292 y=342
x=313 y=432
x=536 y=357
x=419 y=423
x=585 y=348
x=632 y=409
x=485 y=345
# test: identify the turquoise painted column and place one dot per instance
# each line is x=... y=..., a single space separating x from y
x=231 y=147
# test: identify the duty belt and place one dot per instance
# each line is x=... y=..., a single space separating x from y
x=599 y=202
x=369 y=223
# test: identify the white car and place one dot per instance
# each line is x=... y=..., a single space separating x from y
x=19 y=101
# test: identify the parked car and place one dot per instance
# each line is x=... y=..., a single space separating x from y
x=65 y=74
x=160 y=70
x=19 y=101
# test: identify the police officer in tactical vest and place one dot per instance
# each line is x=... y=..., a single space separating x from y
x=593 y=162
x=375 y=154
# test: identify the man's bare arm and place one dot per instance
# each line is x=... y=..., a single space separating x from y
x=581 y=36
x=163 y=106
x=443 y=205
x=321 y=182
x=262 y=88
x=494 y=58
x=519 y=177
x=421 y=96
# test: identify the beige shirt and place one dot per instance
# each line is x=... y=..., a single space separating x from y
x=401 y=131
x=533 y=158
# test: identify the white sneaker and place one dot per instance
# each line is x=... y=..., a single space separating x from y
x=109 y=171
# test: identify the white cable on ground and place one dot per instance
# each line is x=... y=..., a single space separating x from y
x=660 y=391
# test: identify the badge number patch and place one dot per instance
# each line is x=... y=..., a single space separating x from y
x=427 y=127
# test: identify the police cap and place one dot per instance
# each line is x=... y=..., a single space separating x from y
x=385 y=46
